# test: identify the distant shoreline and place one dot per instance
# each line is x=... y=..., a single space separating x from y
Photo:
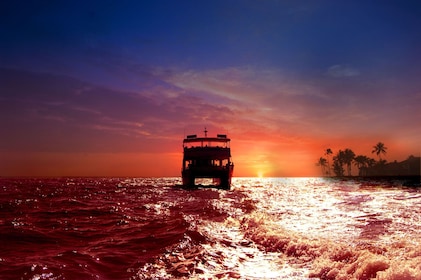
x=407 y=180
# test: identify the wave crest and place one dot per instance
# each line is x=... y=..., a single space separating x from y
x=326 y=259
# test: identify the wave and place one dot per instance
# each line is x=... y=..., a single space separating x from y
x=331 y=260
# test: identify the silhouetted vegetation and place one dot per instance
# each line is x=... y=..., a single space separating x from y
x=379 y=149
x=347 y=158
x=338 y=162
x=328 y=152
x=344 y=159
x=323 y=164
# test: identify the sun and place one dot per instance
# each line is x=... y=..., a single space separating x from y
x=260 y=174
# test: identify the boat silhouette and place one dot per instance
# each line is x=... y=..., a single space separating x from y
x=207 y=157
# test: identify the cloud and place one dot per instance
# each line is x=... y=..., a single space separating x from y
x=338 y=71
x=272 y=102
x=244 y=84
x=44 y=112
x=267 y=98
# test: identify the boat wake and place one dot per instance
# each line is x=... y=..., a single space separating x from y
x=252 y=243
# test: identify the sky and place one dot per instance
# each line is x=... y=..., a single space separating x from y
x=110 y=88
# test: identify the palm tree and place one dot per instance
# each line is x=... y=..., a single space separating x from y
x=328 y=153
x=379 y=149
x=338 y=162
x=322 y=164
x=349 y=156
x=361 y=162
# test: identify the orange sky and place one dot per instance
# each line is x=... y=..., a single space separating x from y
x=270 y=157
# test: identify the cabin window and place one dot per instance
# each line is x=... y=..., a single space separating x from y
x=225 y=162
x=187 y=164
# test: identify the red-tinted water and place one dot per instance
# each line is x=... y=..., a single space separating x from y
x=294 y=228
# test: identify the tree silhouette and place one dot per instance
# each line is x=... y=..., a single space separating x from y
x=348 y=157
x=379 y=149
x=338 y=162
x=322 y=164
x=362 y=162
x=343 y=157
x=328 y=153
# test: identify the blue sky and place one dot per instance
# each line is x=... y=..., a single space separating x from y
x=304 y=75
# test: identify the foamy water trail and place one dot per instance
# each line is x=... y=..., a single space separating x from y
x=220 y=248
x=302 y=228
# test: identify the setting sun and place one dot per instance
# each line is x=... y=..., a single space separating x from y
x=260 y=174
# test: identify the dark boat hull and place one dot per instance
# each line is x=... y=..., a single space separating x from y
x=222 y=176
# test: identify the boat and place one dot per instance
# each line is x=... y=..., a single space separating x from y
x=207 y=157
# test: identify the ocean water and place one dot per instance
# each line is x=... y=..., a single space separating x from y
x=264 y=228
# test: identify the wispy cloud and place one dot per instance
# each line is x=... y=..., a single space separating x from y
x=269 y=98
x=110 y=116
x=338 y=71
